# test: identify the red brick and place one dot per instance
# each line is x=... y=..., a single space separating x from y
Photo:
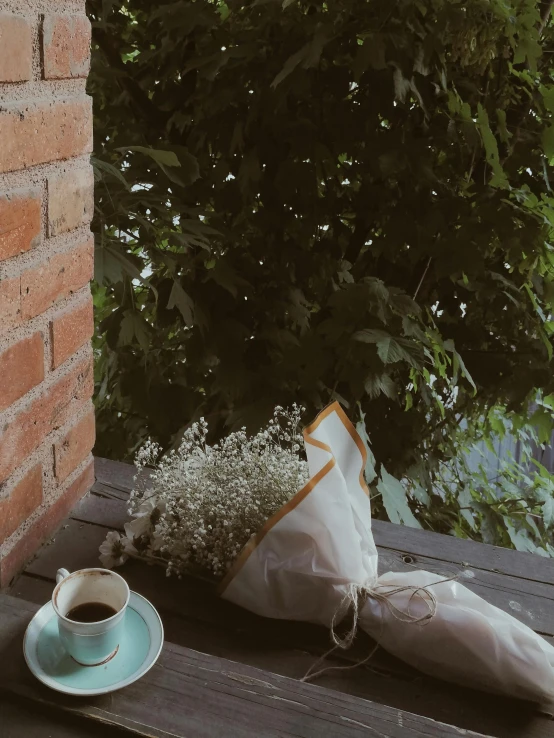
x=70 y=200
x=60 y=276
x=74 y=447
x=21 y=369
x=19 y=222
x=21 y=503
x=70 y=331
x=16 y=48
x=14 y=561
x=27 y=430
x=34 y=134
x=65 y=46
x=10 y=304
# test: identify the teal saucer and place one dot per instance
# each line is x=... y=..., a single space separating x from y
x=138 y=651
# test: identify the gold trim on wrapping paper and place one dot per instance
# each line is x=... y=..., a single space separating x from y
x=351 y=430
x=256 y=539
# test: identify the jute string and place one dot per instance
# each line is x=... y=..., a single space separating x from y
x=354 y=600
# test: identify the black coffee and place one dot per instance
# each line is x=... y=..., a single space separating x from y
x=90 y=612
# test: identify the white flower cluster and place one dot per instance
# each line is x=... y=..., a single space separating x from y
x=202 y=503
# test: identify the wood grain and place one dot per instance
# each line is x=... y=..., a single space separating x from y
x=75 y=546
x=464 y=552
x=17 y=720
x=114 y=473
x=193 y=694
x=108 y=512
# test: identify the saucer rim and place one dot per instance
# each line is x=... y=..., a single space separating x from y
x=54 y=684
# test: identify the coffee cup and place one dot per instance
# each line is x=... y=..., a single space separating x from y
x=90 y=605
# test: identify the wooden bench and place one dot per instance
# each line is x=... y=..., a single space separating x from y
x=226 y=672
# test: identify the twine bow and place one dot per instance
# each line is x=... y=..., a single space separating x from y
x=354 y=600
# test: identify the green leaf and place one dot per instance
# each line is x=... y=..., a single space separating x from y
x=402 y=86
x=548 y=400
x=547 y=92
x=543 y=421
x=290 y=65
x=376 y=384
x=496 y=425
x=114 y=264
x=389 y=351
x=308 y=56
x=370 y=335
x=107 y=269
x=315 y=47
x=548 y=511
x=225 y=276
x=178 y=298
x=521 y=540
x=223 y=10
x=395 y=500
x=458 y=361
x=103 y=167
x=548 y=141
x=503 y=132
x=189 y=168
x=165 y=158
x=420 y=493
x=499 y=178
x=133 y=326
x=466 y=501
x=369 y=471
x=527 y=49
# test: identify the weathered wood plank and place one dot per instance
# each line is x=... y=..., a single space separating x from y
x=32 y=589
x=108 y=512
x=195 y=617
x=18 y=721
x=114 y=473
x=191 y=694
x=75 y=546
x=464 y=552
x=291 y=654
x=113 y=493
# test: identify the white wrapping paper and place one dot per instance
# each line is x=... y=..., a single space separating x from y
x=304 y=561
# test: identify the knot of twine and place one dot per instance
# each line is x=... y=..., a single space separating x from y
x=354 y=600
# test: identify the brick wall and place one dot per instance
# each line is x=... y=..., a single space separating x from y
x=46 y=252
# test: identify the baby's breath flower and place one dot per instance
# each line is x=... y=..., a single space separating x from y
x=202 y=503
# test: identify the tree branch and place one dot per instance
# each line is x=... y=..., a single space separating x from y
x=546 y=16
x=425 y=271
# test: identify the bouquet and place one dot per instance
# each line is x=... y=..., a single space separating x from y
x=201 y=504
x=310 y=554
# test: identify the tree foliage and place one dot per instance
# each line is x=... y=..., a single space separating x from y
x=302 y=201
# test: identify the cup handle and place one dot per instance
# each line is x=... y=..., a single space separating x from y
x=61 y=574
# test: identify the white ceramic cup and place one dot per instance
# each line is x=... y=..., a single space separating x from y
x=90 y=643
